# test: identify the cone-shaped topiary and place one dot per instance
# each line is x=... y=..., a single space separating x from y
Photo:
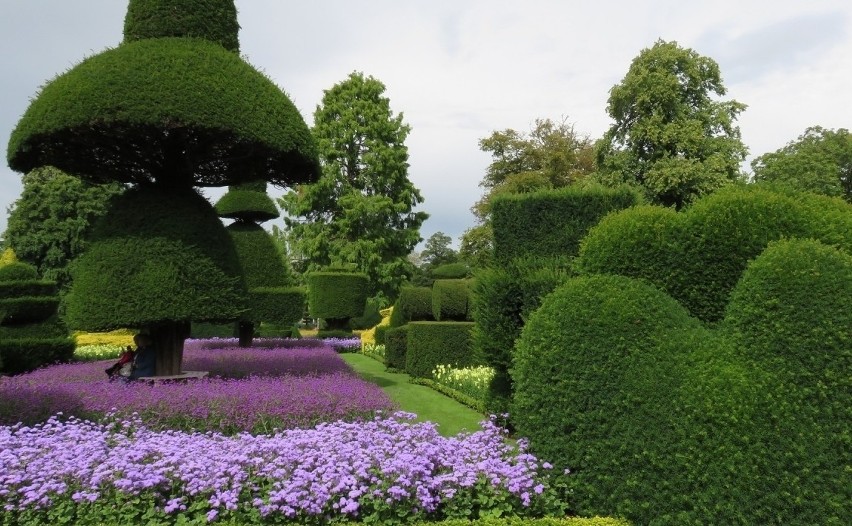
x=171 y=108
x=31 y=335
x=214 y=20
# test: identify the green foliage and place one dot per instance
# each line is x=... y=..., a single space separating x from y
x=18 y=271
x=413 y=304
x=213 y=330
x=278 y=305
x=336 y=294
x=20 y=355
x=451 y=300
x=27 y=309
x=670 y=136
x=518 y=521
x=819 y=161
x=396 y=347
x=246 y=204
x=371 y=316
x=185 y=111
x=214 y=20
x=361 y=209
x=49 y=222
x=552 y=223
x=477 y=246
x=158 y=254
x=433 y=343
x=437 y=251
x=790 y=316
x=259 y=258
x=451 y=271
x=698 y=255
x=381 y=331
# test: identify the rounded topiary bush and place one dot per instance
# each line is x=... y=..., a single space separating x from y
x=277 y=305
x=433 y=343
x=17 y=271
x=336 y=297
x=791 y=316
x=413 y=304
x=451 y=300
x=451 y=271
x=214 y=20
x=240 y=202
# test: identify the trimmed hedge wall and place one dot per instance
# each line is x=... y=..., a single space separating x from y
x=278 y=305
x=552 y=222
x=518 y=521
x=698 y=255
x=17 y=271
x=451 y=271
x=413 y=304
x=451 y=299
x=260 y=260
x=335 y=295
x=396 y=346
x=432 y=343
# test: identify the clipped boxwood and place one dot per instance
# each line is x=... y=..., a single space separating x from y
x=433 y=343
x=552 y=222
x=791 y=317
x=380 y=333
x=27 y=309
x=27 y=287
x=260 y=260
x=413 y=304
x=278 y=305
x=396 y=347
x=451 y=299
x=32 y=345
x=248 y=205
x=519 y=521
x=699 y=254
x=333 y=295
x=17 y=271
x=451 y=271
x=183 y=18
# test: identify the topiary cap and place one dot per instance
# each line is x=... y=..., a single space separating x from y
x=248 y=202
x=170 y=109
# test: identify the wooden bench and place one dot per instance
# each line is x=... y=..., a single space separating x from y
x=186 y=375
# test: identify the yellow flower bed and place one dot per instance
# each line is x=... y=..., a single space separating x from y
x=368 y=337
x=121 y=337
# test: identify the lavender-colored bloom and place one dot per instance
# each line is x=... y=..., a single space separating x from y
x=340 y=469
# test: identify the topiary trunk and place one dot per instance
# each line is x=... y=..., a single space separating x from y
x=168 y=338
x=245 y=331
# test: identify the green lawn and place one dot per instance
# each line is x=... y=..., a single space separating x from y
x=451 y=416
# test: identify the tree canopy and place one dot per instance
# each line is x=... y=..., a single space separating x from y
x=819 y=161
x=361 y=210
x=671 y=136
x=438 y=251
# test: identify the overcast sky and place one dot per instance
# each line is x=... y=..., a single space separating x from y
x=460 y=69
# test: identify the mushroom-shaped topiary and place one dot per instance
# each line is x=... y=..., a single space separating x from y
x=171 y=108
x=336 y=297
x=247 y=203
x=31 y=334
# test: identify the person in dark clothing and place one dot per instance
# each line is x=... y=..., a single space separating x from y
x=145 y=358
x=123 y=367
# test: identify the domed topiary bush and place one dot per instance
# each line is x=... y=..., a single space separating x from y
x=451 y=300
x=450 y=271
x=413 y=304
x=791 y=316
x=698 y=255
x=31 y=334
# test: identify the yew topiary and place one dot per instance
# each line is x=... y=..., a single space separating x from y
x=336 y=297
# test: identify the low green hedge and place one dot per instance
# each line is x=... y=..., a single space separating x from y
x=433 y=343
x=28 y=309
x=450 y=271
x=279 y=305
x=396 y=347
x=26 y=354
x=451 y=300
x=18 y=271
x=22 y=288
x=413 y=304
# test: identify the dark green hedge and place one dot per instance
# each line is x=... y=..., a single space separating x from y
x=699 y=254
x=433 y=343
x=370 y=317
x=413 y=304
x=18 y=271
x=791 y=316
x=451 y=271
x=396 y=347
x=545 y=521
x=451 y=299
x=27 y=309
x=157 y=254
x=260 y=260
x=120 y=115
x=381 y=331
x=279 y=305
x=27 y=287
x=336 y=294
x=20 y=356
x=551 y=222
x=214 y=20
x=247 y=205
x=501 y=299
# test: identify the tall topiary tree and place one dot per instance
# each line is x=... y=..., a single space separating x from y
x=173 y=107
x=31 y=334
x=266 y=275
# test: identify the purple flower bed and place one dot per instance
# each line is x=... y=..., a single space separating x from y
x=384 y=470
x=254 y=389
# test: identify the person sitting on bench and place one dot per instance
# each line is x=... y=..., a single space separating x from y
x=145 y=358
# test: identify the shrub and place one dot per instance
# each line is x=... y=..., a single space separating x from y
x=698 y=255
x=396 y=347
x=380 y=334
x=413 y=304
x=336 y=295
x=450 y=300
x=370 y=317
x=17 y=271
x=552 y=222
x=279 y=305
x=433 y=343
x=249 y=202
x=451 y=271
x=791 y=315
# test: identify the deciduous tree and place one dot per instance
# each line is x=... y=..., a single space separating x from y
x=671 y=136
x=361 y=210
x=819 y=161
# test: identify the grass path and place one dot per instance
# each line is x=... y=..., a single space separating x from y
x=429 y=405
